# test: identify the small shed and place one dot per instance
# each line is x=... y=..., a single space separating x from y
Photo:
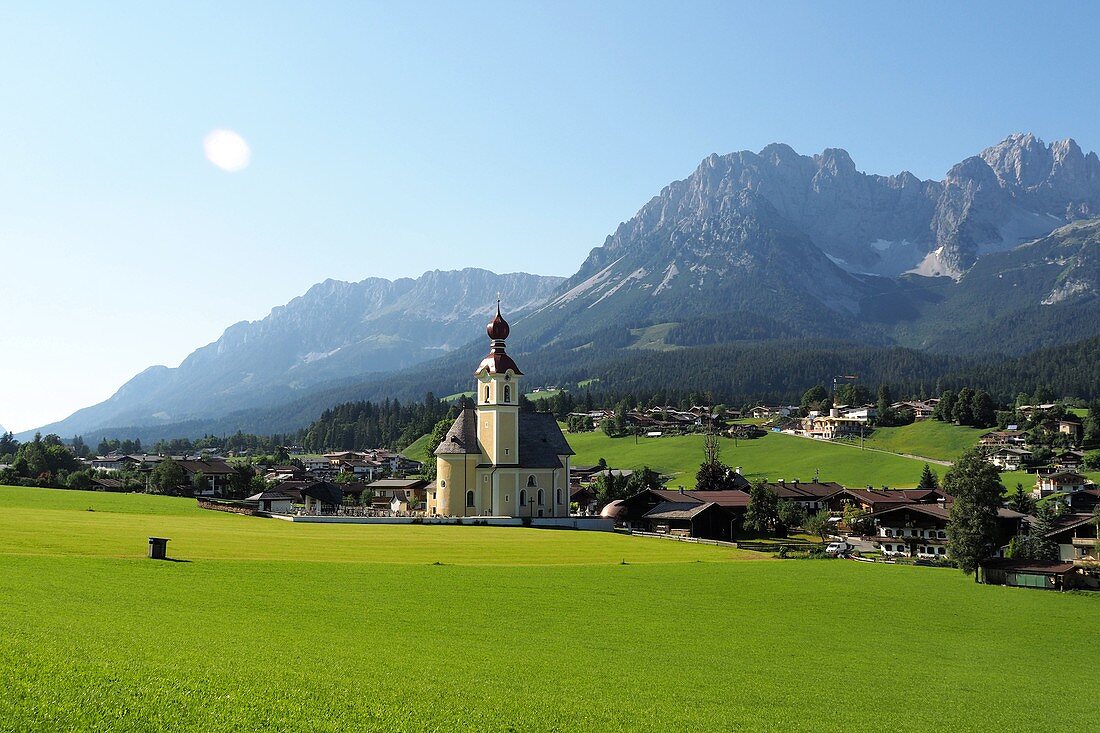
x=1027 y=573
x=686 y=518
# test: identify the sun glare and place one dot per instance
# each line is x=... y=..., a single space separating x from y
x=227 y=150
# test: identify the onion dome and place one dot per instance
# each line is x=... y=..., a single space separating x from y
x=498 y=329
x=498 y=361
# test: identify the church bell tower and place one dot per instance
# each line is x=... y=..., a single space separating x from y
x=498 y=393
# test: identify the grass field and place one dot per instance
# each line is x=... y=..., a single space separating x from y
x=928 y=438
x=275 y=626
x=773 y=456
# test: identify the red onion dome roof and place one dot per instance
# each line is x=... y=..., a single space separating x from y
x=498 y=328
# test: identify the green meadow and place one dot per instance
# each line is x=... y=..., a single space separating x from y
x=927 y=438
x=266 y=625
x=774 y=456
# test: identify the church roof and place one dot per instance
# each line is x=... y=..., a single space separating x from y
x=541 y=441
x=497 y=362
x=462 y=437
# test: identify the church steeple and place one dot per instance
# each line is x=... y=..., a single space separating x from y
x=498 y=361
x=498 y=397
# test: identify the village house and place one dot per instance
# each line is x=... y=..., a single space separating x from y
x=408 y=490
x=1071 y=425
x=322 y=497
x=811 y=496
x=1009 y=458
x=1068 y=460
x=116 y=462
x=761 y=412
x=1027 y=411
x=585 y=498
x=874 y=500
x=1075 y=536
x=1015 y=438
x=1060 y=482
x=920 y=530
x=921 y=409
x=831 y=427
x=316 y=465
x=863 y=413
x=215 y=470
x=272 y=501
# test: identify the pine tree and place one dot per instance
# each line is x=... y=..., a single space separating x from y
x=928 y=479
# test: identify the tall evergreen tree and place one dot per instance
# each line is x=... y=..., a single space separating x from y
x=928 y=479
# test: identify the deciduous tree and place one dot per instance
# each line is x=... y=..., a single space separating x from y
x=972 y=523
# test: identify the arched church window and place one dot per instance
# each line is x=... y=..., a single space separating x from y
x=486 y=393
x=469 y=498
x=540 y=497
x=507 y=393
x=531 y=481
x=557 y=496
x=523 y=497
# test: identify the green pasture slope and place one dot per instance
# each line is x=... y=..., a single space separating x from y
x=927 y=438
x=774 y=456
x=274 y=626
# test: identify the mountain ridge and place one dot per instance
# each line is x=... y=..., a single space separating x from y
x=334 y=331
x=748 y=247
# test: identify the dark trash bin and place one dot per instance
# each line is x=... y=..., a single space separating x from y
x=158 y=548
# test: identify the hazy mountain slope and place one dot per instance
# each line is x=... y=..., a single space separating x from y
x=335 y=331
x=1039 y=294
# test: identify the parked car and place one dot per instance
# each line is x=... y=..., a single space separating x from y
x=839 y=548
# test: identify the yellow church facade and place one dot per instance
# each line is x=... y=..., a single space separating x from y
x=496 y=460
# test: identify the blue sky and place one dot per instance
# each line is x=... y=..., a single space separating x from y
x=394 y=138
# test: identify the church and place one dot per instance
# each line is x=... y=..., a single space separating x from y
x=496 y=460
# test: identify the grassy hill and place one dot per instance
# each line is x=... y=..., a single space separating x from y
x=268 y=625
x=928 y=438
x=773 y=456
x=418 y=449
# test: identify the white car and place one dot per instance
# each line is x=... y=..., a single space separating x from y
x=838 y=548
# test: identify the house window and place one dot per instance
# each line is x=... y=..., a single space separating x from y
x=889 y=532
x=941 y=551
x=942 y=535
x=523 y=497
x=540 y=497
x=531 y=481
x=557 y=497
x=469 y=498
x=507 y=393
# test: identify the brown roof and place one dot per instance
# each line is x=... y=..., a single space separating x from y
x=1028 y=566
x=733 y=498
x=207 y=468
x=678 y=510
